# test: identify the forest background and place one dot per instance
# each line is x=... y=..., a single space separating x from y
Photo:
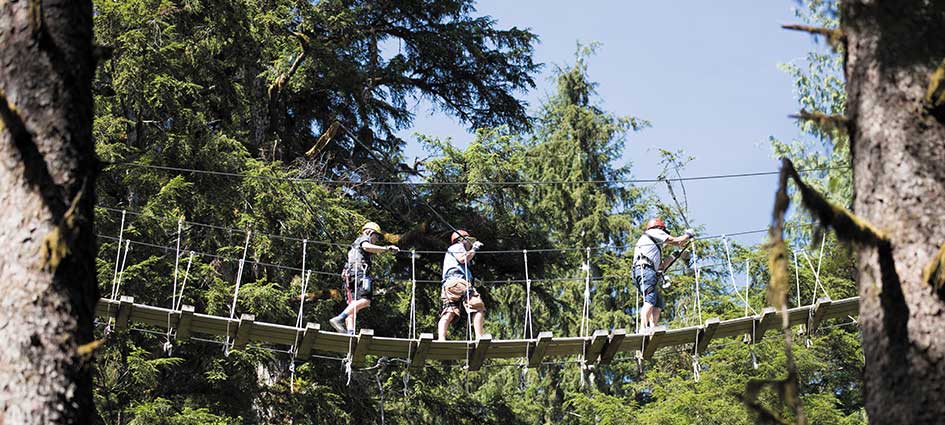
x=301 y=110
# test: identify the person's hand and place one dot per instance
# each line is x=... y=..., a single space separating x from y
x=393 y=248
x=476 y=245
x=690 y=232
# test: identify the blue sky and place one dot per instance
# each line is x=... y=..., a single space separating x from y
x=703 y=73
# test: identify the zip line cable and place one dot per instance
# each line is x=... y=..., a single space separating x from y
x=455 y=183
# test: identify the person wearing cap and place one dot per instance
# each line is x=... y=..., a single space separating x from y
x=357 y=280
x=647 y=258
x=457 y=294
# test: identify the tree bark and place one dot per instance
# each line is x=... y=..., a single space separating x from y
x=898 y=151
x=48 y=289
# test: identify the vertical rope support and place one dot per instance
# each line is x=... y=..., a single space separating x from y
x=121 y=271
x=413 y=297
x=817 y=282
x=636 y=298
x=527 y=332
x=412 y=329
x=747 y=283
x=180 y=224
x=236 y=290
x=180 y=297
x=731 y=275
x=585 y=312
x=698 y=296
x=797 y=280
x=121 y=232
x=303 y=286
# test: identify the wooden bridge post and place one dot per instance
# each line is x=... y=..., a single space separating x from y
x=243 y=330
x=183 y=324
x=124 y=311
x=363 y=344
x=423 y=347
x=596 y=346
x=649 y=347
x=819 y=310
x=538 y=354
x=765 y=322
x=479 y=355
x=613 y=345
x=309 y=335
x=707 y=333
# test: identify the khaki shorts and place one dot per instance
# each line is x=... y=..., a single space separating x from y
x=455 y=298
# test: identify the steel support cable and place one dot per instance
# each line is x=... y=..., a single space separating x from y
x=423 y=281
x=507 y=251
x=466 y=183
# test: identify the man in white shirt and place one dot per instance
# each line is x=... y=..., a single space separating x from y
x=647 y=258
x=457 y=293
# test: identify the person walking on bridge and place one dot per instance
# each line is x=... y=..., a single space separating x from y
x=457 y=294
x=357 y=282
x=647 y=259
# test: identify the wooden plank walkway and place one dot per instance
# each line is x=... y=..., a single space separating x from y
x=601 y=347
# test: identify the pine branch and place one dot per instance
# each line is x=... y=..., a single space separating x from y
x=935 y=94
x=824 y=121
x=834 y=36
x=934 y=273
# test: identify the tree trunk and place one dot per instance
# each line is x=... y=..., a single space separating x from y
x=48 y=289
x=898 y=151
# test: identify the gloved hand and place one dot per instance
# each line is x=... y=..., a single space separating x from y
x=477 y=245
x=691 y=233
x=393 y=248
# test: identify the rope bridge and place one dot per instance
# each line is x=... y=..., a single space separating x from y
x=598 y=348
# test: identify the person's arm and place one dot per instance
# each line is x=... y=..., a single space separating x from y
x=377 y=249
x=465 y=256
x=682 y=239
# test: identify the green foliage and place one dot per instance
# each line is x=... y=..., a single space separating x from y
x=246 y=87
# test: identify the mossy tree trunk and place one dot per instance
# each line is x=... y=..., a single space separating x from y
x=898 y=149
x=47 y=247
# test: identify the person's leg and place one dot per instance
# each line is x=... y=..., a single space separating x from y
x=479 y=319
x=353 y=309
x=645 y=316
x=443 y=326
x=651 y=302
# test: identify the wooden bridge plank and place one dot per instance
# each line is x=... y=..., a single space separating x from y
x=183 y=325
x=187 y=323
x=613 y=345
x=478 y=356
x=538 y=353
x=651 y=343
x=423 y=347
x=309 y=336
x=768 y=319
x=243 y=329
x=598 y=340
x=707 y=333
x=818 y=313
x=363 y=344
x=124 y=311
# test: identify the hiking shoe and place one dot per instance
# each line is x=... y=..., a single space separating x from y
x=339 y=324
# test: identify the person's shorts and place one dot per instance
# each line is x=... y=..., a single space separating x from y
x=360 y=288
x=647 y=281
x=457 y=306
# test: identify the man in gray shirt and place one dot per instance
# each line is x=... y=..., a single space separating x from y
x=357 y=281
x=457 y=293
x=647 y=259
